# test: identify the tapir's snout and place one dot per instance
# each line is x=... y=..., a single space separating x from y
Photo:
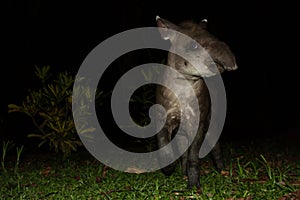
x=234 y=67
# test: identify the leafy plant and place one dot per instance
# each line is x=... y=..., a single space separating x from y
x=50 y=109
x=19 y=152
x=5 y=148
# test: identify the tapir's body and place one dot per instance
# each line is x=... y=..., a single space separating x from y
x=223 y=58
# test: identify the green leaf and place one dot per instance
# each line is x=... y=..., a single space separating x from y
x=42 y=73
x=34 y=135
x=42 y=143
x=87 y=130
x=14 y=108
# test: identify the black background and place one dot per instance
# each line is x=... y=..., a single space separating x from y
x=262 y=94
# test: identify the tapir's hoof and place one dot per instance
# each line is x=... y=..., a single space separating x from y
x=220 y=166
x=192 y=185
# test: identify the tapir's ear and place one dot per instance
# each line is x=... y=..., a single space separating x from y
x=203 y=23
x=165 y=25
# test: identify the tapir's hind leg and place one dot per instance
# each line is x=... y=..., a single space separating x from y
x=217 y=156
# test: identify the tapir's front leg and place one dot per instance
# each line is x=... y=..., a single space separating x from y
x=163 y=138
x=181 y=145
x=193 y=165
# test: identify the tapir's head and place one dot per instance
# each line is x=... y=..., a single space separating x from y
x=204 y=54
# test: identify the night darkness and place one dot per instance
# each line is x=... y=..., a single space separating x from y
x=262 y=94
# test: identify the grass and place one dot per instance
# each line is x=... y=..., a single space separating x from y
x=250 y=174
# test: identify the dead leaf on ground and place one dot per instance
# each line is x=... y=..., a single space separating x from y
x=135 y=170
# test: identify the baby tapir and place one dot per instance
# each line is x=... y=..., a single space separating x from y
x=223 y=59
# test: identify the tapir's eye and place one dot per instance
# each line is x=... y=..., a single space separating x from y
x=194 y=45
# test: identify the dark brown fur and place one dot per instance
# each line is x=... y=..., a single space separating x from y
x=224 y=59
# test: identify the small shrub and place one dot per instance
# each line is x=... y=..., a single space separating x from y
x=50 y=109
